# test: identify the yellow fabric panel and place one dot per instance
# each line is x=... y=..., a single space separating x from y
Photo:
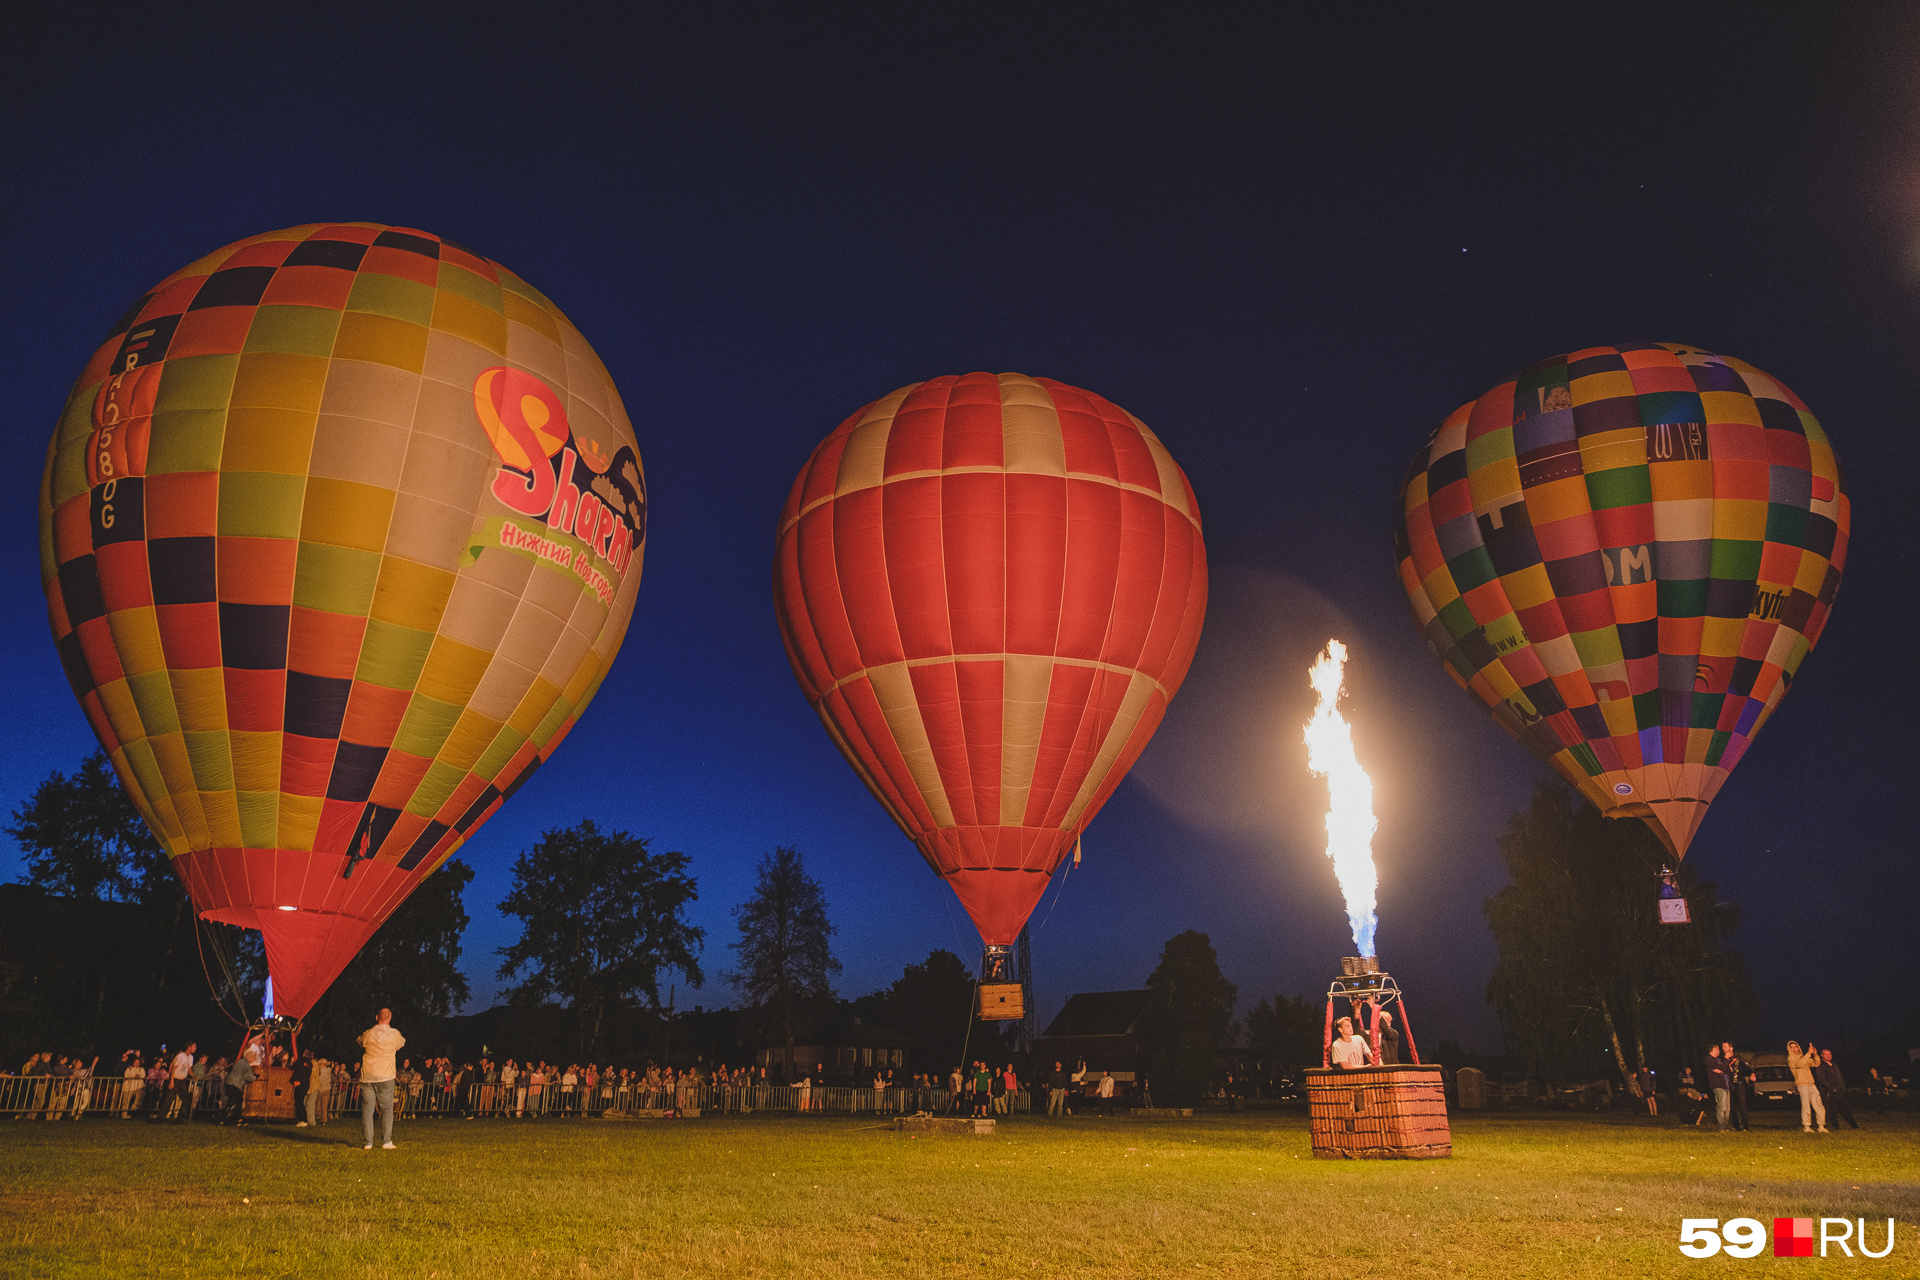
x=122 y=713
x=410 y=594
x=1730 y=406
x=434 y=789
x=381 y=340
x=580 y=684
x=1528 y=587
x=299 y=819
x=200 y=698
x=1720 y=637
x=453 y=671
x=344 y=514
x=550 y=723
x=259 y=438
x=277 y=380
x=468 y=319
x=1812 y=574
x=136 y=638
x=1606 y=450
x=470 y=737
x=223 y=818
x=1610 y=385
x=893 y=688
x=498 y=752
x=1683 y=520
x=521 y=311
x=1740 y=519
x=153 y=696
x=1030 y=439
x=533 y=707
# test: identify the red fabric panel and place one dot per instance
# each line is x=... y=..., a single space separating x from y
x=829 y=649
x=936 y=688
x=305 y=764
x=998 y=902
x=916 y=570
x=918 y=439
x=324 y=644
x=256 y=700
x=189 y=634
x=1093 y=551
x=973 y=535
x=1036 y=549
x=982 y=687
x=859 y=557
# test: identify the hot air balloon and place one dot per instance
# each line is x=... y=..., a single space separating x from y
x=989 y=588
x=340 y=530
x=1625 y=553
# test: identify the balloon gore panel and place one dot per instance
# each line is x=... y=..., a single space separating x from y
x=1625 y=553
x=989 y=587
x=340 y=530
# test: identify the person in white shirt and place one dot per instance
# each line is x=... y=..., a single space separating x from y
x=380 y=1042
x=1350 y=1050
x=180 y=1076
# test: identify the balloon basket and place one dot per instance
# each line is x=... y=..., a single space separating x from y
x=1378 y=1113
x=1002 y=1002
x=269 y=1096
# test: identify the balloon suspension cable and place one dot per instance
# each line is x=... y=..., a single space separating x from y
x=200 y=928
x=973 y=1007
x=1061 y=888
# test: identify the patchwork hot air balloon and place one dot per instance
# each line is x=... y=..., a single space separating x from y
x=990 y=587
x=1625 y=553
x=340 y=530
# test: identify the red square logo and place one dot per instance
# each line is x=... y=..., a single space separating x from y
x=1793 y=1237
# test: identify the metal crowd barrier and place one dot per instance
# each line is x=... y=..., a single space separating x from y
x=63 y=1097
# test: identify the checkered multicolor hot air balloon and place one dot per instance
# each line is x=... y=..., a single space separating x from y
x=340 y=530
x=990 y=587
x=1625 y=553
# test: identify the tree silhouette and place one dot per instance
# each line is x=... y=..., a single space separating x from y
x=785 y=955
x=1188 y=1019
x=83 y=838
x=410 y=965
x=601 y=917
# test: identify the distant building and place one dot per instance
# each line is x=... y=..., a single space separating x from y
x=848 y=1049
x=1100 y=1028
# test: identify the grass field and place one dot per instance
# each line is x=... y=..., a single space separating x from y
x=1524 y=1196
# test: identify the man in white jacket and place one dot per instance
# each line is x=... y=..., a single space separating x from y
x=381 y=1042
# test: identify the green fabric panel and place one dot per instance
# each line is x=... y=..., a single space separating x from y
x=508 y=280
x=457 y=279
x=1813 y=428
x=153 y=697
x=1598 y=648
x=1787 y=525
x=434 y=789
x=260 y=504
x=1735 y=560
x=551 y=722
x=1682 y=599
x=306 y=331
x=259 y=818
x=146 y=769
x=391 y=296
x=335 y=579
x=186 y=440
x=1457 y=618
x=1717 y=746
x=1704 y=711
x=69 y=445
x=196 y=382
x=1491 y=447
x=1619 y=487
x=1506 y=634
x=1646 y=710
x=1470 y=569
x=495 y=757
x=425 y=726
x=212 y=762
x=1541 y=377
x=1583 y=755
x=392 y=656
x=1796 y=656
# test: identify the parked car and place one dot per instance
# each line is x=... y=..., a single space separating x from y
x=1773 y=1080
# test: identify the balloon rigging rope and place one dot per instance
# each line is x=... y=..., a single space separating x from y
x=200 y=927
x=1058 y=890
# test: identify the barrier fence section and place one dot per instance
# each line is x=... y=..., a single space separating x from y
x=67 y=1097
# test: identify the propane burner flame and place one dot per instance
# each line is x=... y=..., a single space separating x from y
x=1350 y=820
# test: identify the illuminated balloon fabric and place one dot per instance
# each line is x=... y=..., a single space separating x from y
x=340 y=530
x=990 y=587
x=1625 y=553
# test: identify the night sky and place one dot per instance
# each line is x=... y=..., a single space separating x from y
x=1289 y=246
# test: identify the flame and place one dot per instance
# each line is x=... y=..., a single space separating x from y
x=1350 y=820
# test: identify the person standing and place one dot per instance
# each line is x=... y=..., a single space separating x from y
x=1350 y=1051
x=319 y=1092
x=1057 y=1091
x=1738 y=1077
x=1833 y=1089
x=82 y=1096
x=379 y=1043
x=302 y=1079
x=1389 y=1039
x=1717 y=1084
x=1812 y=1107
x=1106 y=1094
x=131 y=1081
x=1644 y=1081
x=181 y=1076
x=239 y=1076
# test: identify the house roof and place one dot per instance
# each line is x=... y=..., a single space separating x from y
x=1100 y=1013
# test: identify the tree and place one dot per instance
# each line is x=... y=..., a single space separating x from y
x=601 y=917
x=83 y=838
x=933 y=1002
x=785 y=957
x=1587 y=972
x=1285 y=1033
x=410 y=965
x=1188 y=1019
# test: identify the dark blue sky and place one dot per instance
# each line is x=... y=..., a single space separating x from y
x=1290 y=246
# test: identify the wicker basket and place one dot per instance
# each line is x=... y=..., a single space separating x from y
x=1378 y=1113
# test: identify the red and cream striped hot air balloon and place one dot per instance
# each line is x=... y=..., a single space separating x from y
x=990 y=586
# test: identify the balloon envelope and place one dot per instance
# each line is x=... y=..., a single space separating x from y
x=1625 y=553
x=340 y=530
x=990 y=587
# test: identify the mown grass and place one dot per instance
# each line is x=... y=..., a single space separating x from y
x=1524 y=1196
